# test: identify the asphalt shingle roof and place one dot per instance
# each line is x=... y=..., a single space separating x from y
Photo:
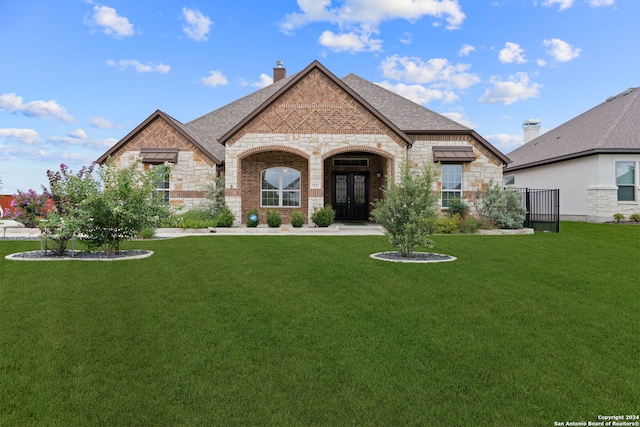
x=610 y=127
x=405 y=114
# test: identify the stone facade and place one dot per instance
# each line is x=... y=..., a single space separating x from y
x=189 y=175
x=603 y=203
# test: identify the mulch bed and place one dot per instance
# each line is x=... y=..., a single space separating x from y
x=79 y=255
x=417 y=257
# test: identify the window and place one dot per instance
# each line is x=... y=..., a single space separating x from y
x=625 y=180
x=162 y=185
x=280 y=187
x=509 y=180
x=351 y=161
x=451 y=183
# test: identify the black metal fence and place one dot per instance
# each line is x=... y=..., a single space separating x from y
x=543 y=209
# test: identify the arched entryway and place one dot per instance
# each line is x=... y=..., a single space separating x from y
x=353 y=179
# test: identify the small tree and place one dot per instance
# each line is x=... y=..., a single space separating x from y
x=127 y=204
x=68 y=191
x=214 y=201
x=408 y=209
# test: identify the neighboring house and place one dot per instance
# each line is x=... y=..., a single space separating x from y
x=308 y=140
x=593 y=159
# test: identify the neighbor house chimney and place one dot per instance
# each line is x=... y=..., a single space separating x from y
x=531 y=129
x=279 y=72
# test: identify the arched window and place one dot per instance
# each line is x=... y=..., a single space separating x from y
x=280 y=187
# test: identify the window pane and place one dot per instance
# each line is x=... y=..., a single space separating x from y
x=270 y=198
x=290 y=179
x=291 y=198
x=271 y=179
x=447 y=196
x=625 y=173
x=626 y=193
x=451 y=177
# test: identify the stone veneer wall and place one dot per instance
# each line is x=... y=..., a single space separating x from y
x=187 y=179
x=603 y=203
x=188 y=176
x=476 y=175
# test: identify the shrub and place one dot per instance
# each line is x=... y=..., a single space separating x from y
x=618 y=217
x=324 y=216
x=408 y=209
x=253 y=218
x=297 y=219
x=225 y=218
x=458 y=206
x=214 y=202
x=635 y=217
x=195 y=218
x=29 y=207
x=503 y=207
x=471 y=224
x=447 y=224
x=147 y=233
x=274 y=219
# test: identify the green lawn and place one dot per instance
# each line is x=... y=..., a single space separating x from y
x=298 y=330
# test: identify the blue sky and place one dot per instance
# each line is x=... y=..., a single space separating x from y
x=76 y=76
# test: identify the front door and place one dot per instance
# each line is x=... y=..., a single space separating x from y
x=350 y=195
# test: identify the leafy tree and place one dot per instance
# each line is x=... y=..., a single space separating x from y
x=68 y=191
x=126 y=205
x=408 y=209
x=503 y=207
x=28 y=206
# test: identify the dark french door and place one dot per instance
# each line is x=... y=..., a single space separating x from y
x=351 y=195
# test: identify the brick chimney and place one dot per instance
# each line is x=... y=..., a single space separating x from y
x=531 y=129
x=279 y=72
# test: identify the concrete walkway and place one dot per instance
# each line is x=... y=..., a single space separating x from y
x=14 y=230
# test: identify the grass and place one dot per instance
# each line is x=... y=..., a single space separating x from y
x=309 y=331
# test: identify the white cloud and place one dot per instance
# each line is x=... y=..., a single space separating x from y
x=150 y=67
x=406 y=38
x=560 y=50
x=438 y=72
x=460 y=118
x=79 y=140
x=505 y=142
x=78 y=133
x=27 y=136
x=358 y=19
x=466 y=50
x=40 y=109
x=112 y=24
x=102 y=123
x=198 y=25
x=350 y=42
x=598 y=3
x=518 y=87
x=511 y=53
x=564 y=4
x=215 y=78
x=265 y=80
x=419 y=93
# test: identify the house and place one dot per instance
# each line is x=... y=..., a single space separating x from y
x=308 y=140
x=593 y=159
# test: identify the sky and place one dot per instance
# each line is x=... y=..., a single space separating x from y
x=76 y=76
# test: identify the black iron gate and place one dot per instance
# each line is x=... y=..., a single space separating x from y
x=543 y=209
